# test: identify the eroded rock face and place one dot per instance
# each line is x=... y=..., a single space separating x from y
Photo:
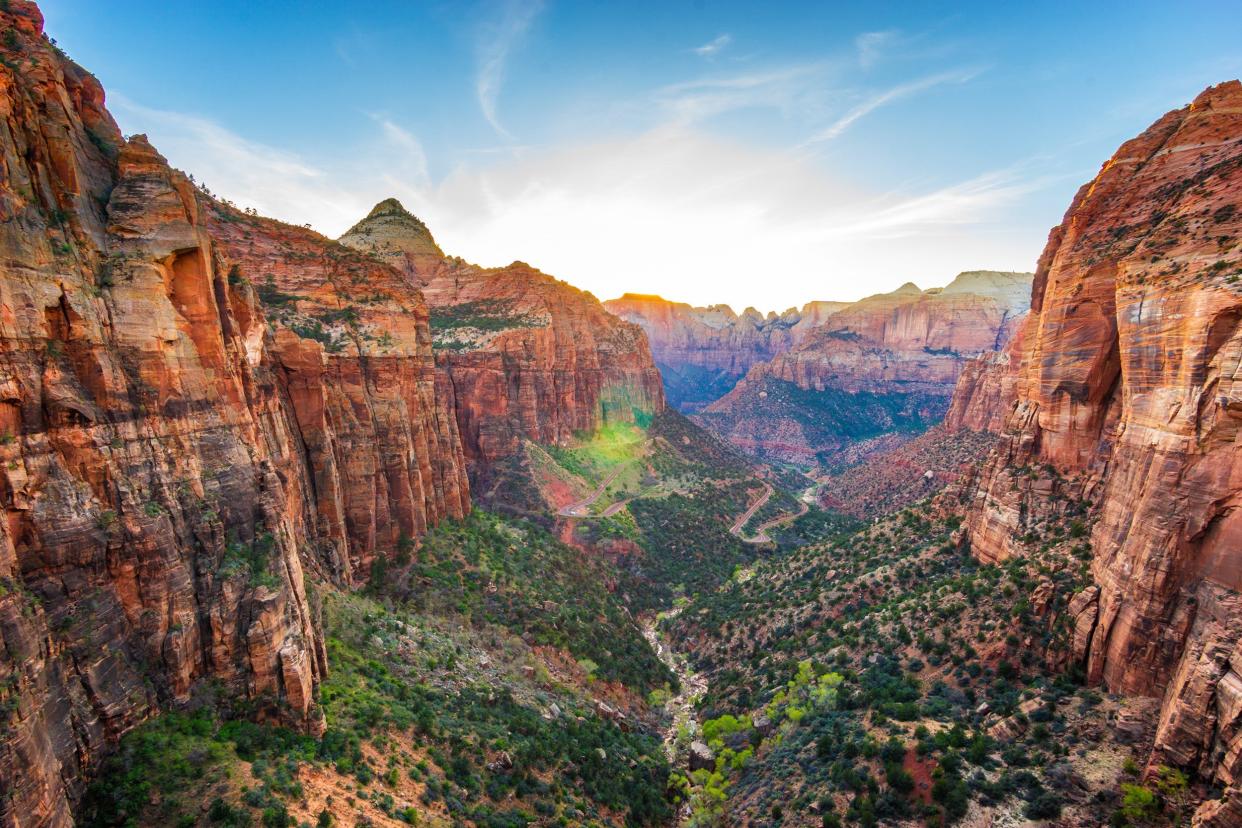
x=986 y=389
x=703 y=352
x=896 y=356
x=528 y=357
x=170 y=467
x=1127 y=395
x=353 y=353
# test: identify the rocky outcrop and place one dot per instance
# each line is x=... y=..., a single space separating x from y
x=527 y=357
x=351 y=347
x=895 y=358
x=986 y=389
x=1127 y=396
x=702 y=352
x=172 y=467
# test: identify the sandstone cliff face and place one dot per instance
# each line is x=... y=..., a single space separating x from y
x=1127 y=395
x=170 y=469
x=702 y=352
x=352 y=350
x=527 y=357
x=986 y=389
x=896 y=355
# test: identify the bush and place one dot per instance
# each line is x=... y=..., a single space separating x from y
x=1044 y=805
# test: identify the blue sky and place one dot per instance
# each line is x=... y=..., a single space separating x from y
x=754 y=154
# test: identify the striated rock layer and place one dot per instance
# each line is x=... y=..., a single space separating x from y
x=896 y=356
x=352 y=350
x=986 y=389
x=172 y=466
x=1127 y=395
x=526 y=356
x=703 y=352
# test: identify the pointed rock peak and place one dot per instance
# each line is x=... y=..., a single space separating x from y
x=389 y=229
x=389 y=207
x=908 y=287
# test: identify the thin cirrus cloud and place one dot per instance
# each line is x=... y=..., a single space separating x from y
x=798 y=86
x=713 y=46
x=871 y=46
x=667 y=203
x=888 y=96
x=496 y=41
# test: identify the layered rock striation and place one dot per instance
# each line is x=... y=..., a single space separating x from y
x=703 y=351
x=1126 y=395
x=194 y=425
x=526 y=356
x=893 y=358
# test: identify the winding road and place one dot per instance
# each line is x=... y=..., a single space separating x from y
x=736 y=528
x=581 y=508
x=762 y=535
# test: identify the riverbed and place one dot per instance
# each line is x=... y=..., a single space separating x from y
x=680 y=707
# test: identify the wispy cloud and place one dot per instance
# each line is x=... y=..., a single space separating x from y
x=707 y=215
x=780 y=88
x=871 y=46
x=964 y=203
x=404 y=141
x=713 y=46
x=496 y=42
x=896 y=93
x=330 y=196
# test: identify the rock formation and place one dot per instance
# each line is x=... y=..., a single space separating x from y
x=193 y=416
x=352 y=349
x=887 y=363
x=703 y=352
x=526 y=356
x=1126 y=396
x=986 y=389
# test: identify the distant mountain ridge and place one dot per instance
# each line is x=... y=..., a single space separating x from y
x=887 y=363
x=703 y=351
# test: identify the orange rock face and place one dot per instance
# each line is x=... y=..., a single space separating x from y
x=897 y=355
x=527 y=356
x=1126 y=395
x=352 y=350
x=986 y=389
x=702 y=352
x=174 y=457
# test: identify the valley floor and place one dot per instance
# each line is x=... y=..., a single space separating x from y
x=681 y=639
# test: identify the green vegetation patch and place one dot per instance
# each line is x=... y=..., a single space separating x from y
x=514 y=574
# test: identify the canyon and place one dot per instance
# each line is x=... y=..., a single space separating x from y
x=885 y=365
x=207 y=410
x=527 y=356
x=703 y=351
x=301 y=529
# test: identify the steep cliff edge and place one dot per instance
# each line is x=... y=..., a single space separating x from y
x=1127 y=396
x=888 y=363
x=352 y=350
x=703 y=351
x=170 y=469
x=527 y=356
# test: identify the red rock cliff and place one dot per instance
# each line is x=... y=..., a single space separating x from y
x=903 y=349
x=1127 y=393
x=352 y=350
x=170 y=467
x=702 y=352
x=527 y=356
